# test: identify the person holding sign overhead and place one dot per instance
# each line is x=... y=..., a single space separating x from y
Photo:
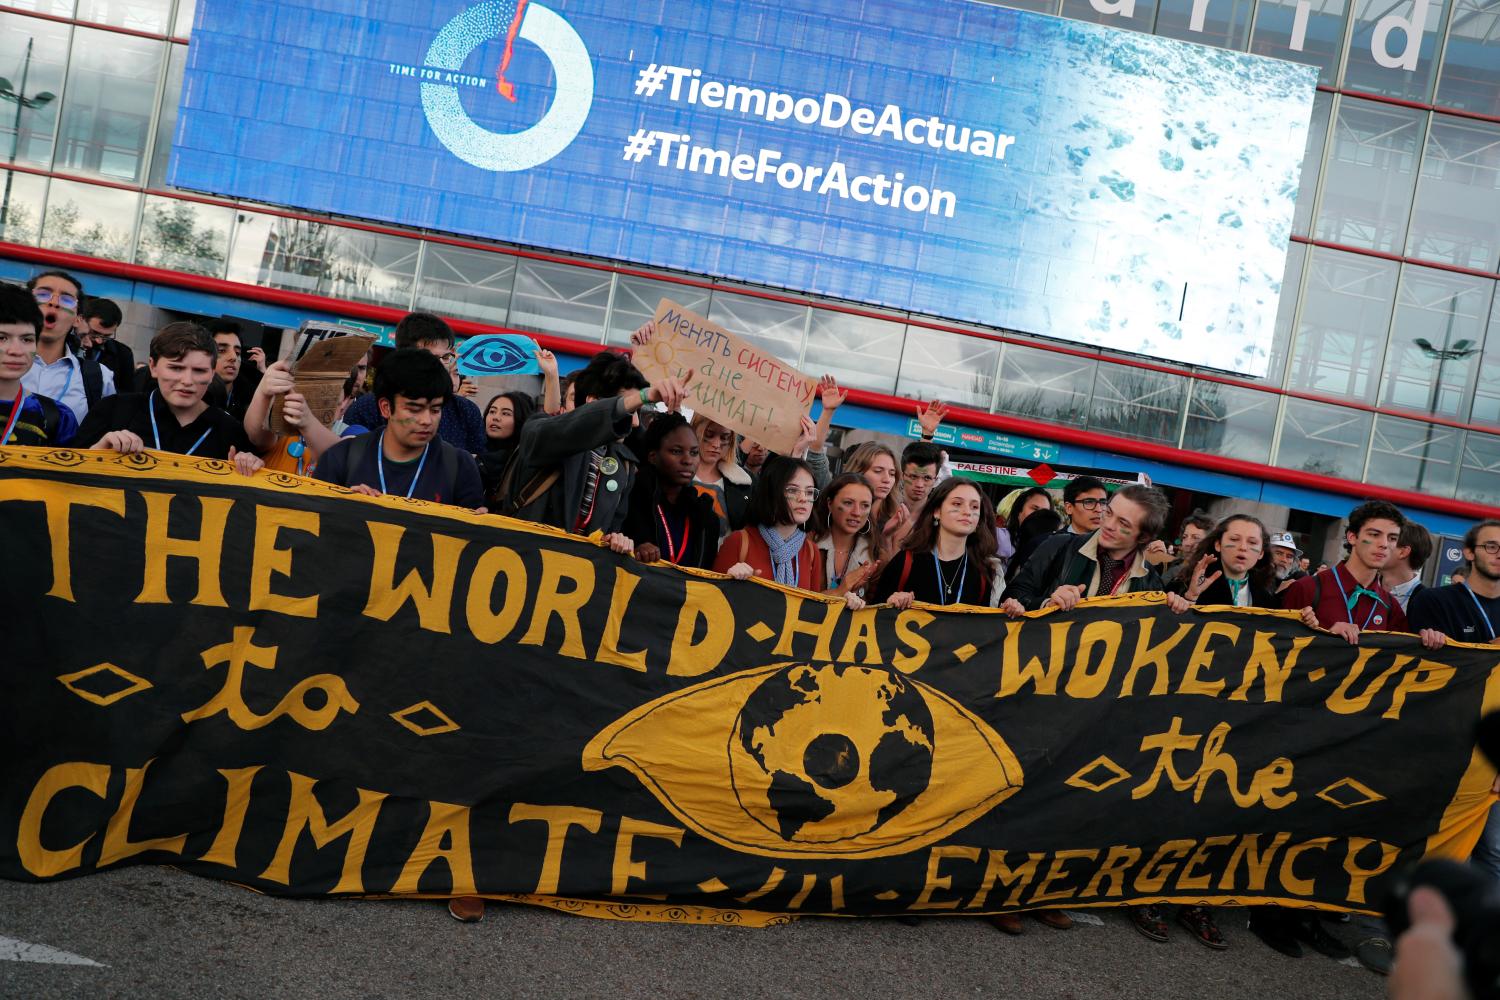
x=172 y=416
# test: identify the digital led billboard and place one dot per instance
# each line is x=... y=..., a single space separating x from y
x=945 y=157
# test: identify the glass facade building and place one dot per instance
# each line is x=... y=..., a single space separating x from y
x=1386 y=364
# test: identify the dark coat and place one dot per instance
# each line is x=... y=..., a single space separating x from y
x=563 y=443
x=644 y=526
x=1063 y=560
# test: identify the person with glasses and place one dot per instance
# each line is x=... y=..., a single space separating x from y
x=920 y=462
x=1470 y=612
x=462 y=425
x=25 y=417
x=1084 y=500
x=773 y=545
x=1068 y=568
x=58 y=372
x=100 y=319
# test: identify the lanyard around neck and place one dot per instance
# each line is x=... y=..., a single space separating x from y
x=674 y=552
x=156 y=435
x=1349 y=605
x=15 y=414
x=1480 y=608
x=943 y=588
x=380 y=465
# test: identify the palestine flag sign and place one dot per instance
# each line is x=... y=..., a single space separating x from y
x=275 y=682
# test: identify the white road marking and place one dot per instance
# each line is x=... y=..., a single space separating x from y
x=12 y=950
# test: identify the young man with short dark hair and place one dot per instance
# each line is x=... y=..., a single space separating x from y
x=58 y=372
x=101 y=320
x=26 y=418
x=573 y=470
x=405 y=457
x=173 y=416
x=462 y=424
x=1403 y=577
x=1347 y=600
x=1084 y=501
x=920 y=462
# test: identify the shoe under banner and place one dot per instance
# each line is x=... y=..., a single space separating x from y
x=274 y=682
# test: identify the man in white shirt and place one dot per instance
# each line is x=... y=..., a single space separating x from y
x=57 y=371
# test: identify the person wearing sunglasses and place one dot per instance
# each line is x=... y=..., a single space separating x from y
x=58 y=371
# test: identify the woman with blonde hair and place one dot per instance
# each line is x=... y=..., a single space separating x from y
x=878 y=464
x=719 y=476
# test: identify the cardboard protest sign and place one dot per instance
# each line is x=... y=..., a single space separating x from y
x=322 y=356
x=736 y=383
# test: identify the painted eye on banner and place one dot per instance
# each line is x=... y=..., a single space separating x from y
x=497 y=355
x=820 y=761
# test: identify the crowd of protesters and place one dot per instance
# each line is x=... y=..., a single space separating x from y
x=605 y=451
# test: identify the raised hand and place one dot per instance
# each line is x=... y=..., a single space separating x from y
x=1202 y=579
x=277 y=380
x=833 y=397
x=931 y=415
x=671 y=391
x=643 y=334
x=546 y=361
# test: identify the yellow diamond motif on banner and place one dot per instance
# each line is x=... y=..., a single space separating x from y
x=441 y=724
x=132 y=684
x=760 y=631
x=1098 y=774
x=1355 y=793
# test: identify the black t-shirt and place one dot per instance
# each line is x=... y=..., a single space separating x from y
x=210 y=435
x=962 y=580
x=466 y=491
x=1456 y=611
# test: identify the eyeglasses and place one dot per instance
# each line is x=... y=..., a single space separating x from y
x=797 y=493
x=448 y=359
x=65 y=299
x=1093 y=503
x=1488 y=548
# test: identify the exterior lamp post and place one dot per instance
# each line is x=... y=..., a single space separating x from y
x=17 y=95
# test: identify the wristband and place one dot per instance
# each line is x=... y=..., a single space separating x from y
x=927 y=437
x=645 y=397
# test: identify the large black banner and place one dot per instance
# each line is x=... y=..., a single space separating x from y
x=278 y=683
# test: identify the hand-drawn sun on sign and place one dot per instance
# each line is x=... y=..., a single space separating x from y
x=819 y=761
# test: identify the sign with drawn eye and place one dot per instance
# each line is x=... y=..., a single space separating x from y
x=498 y=354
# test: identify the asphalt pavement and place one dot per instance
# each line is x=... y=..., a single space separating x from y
x=160 y=933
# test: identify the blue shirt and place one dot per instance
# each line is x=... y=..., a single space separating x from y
x=31 y=427
x=466 y=491
x=462 y=425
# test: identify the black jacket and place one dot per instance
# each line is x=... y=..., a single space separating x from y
x=1218 y=592
x=562 y=443
x=644 y=525
x=1065 y=559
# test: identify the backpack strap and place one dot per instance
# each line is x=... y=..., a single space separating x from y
x=905 y=572
x=358 y=449
x=51 y=417
x=447 y=470
x=93 y=381
x=744 y=543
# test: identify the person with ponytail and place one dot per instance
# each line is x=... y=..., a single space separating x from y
x=668 y=519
